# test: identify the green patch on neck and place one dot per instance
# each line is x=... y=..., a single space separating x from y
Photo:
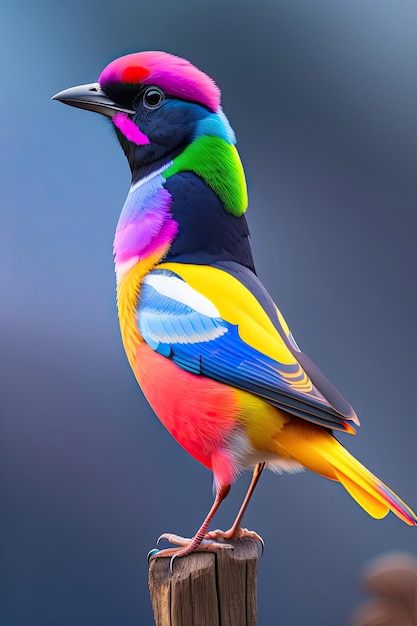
x=218 y=164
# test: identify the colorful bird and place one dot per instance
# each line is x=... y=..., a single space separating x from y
x=208 y=346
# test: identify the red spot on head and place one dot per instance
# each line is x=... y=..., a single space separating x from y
x=134 y=74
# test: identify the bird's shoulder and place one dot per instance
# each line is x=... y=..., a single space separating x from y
x=242 y=301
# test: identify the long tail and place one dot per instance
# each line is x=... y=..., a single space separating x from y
x=319 y=451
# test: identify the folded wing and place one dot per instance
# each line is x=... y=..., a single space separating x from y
x=209 y=323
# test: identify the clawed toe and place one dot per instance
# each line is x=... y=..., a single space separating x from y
x=213 y=540
x=233 y=535
x=175 y=539
x=186 y=547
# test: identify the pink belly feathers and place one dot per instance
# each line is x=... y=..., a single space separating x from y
x=197 y=411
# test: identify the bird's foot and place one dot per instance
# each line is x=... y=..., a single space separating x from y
x=233 y=534
x=186 y=546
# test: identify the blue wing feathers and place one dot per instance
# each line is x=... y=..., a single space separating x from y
x=165 y=320
x=249 y=370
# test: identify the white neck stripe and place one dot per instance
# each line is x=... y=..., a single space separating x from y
x=149 y=177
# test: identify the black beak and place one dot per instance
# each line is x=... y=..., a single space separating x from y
x=92 y=98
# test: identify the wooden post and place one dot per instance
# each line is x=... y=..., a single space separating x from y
x=206 y=588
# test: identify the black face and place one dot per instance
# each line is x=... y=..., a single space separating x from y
x=123 y=94
x=169 y=124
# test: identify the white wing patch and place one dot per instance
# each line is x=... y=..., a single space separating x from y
x=171 y=312
x=177 y=289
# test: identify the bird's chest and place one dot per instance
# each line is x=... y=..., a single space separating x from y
x=197 y=411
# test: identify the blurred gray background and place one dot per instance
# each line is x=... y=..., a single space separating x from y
x=322 y=95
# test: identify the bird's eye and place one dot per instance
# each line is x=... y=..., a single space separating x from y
x=153 y=97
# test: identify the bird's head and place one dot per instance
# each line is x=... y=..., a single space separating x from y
x=158 y=104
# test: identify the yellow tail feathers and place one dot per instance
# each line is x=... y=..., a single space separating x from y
x=319 y=451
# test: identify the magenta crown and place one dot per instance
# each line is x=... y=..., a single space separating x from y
x=176 y=76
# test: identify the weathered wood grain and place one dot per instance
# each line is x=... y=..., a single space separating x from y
x=206 y=588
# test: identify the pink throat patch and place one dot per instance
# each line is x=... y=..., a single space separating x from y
x=129 y=129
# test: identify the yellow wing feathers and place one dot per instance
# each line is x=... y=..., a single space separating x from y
x=236 y=305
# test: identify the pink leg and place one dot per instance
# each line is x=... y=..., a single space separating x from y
x=236 y=532
x=190 y=545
